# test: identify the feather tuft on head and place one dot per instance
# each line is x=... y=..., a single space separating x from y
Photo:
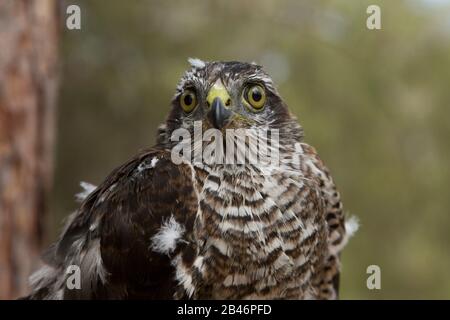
x=197 y=63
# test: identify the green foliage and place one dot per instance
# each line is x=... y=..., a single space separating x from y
x=374 y=103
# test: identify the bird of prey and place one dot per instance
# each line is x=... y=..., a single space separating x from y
x=160 y=229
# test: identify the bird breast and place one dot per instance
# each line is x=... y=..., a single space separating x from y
x=257 y=230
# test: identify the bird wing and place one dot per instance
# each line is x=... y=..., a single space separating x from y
x=124 y=234
x=328 y=282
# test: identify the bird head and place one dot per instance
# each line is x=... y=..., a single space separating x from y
x=229 y=96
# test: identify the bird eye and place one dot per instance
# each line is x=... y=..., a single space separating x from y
x=188 y=100
x=256 y=96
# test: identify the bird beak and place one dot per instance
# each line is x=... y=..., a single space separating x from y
x=218 y=99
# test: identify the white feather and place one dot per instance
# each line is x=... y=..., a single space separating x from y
x=145 y=165
x=167 y=237
x=92 y=264
x=88 y=188
x=197 y=63
x=183 y=276
x=351 y=226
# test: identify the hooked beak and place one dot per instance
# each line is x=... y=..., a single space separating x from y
x=219 y=114
x=218 y=99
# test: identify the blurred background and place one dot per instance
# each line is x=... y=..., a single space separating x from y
x=375 y=103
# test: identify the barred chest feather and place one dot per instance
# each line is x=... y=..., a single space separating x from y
x=260 y=234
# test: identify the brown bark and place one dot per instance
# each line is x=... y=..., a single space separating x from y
x=28 y=83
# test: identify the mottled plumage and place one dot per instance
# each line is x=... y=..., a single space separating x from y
x=156 y=229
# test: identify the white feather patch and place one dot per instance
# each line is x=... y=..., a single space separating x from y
x=183 y=276
x=88 y=188
x=167 y=237
x=351 y=226
x=196 y=63
x=145 y=165
x=92 y=265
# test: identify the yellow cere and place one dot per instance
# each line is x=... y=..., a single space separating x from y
x=218 y=90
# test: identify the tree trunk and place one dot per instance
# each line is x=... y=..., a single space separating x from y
x=28 y=84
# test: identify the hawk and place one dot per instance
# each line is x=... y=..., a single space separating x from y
x=160 y=229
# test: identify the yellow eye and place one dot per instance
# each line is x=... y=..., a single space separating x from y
x=188 y=100
x=256 y=96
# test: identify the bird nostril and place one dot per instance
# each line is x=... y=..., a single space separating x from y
x=228 y=102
